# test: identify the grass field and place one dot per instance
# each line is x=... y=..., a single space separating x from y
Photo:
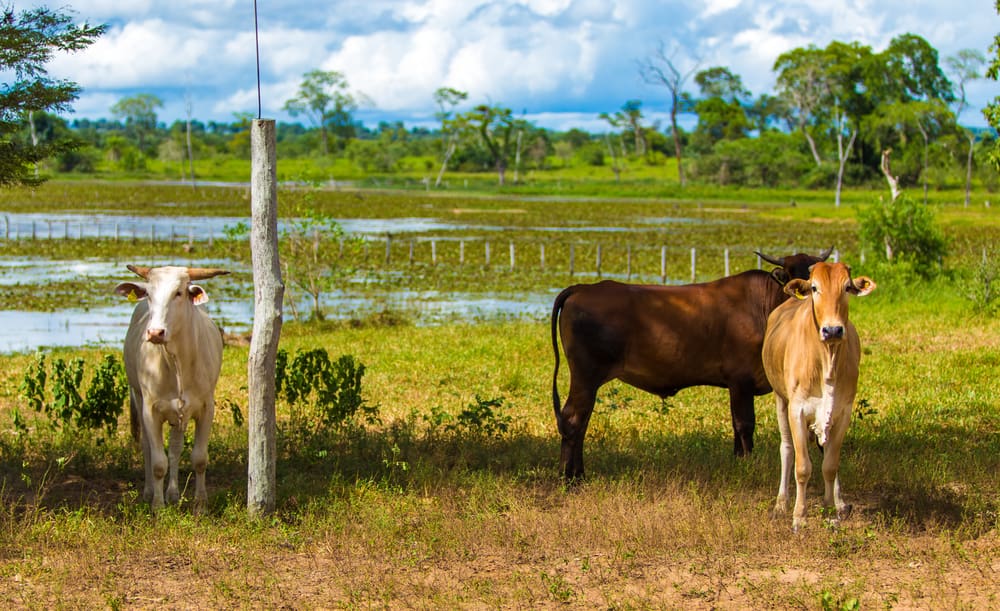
x=422 y=511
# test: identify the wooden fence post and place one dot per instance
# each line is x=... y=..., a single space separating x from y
x=572 y=256
x=512 y=256
x=461 y=252
x=487 y=254
x=268 y=294
x=598 y=260
x=388 y=247
x=541 y=255
x=725 y=255
x=663 y=265
x=628 y=263
x=693 y=262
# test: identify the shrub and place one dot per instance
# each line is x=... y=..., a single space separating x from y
x=101 y=406
x=329 y=392
x=903 y=230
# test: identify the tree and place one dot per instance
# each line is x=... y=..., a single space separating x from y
x=802 y=87
x=495 y=126
x=721 y=114
x=659 y=69
x=992 y=110
x=138 y=114
x=929 y=118
x=325 y=99
x=629 y=120
x=28 y=41
x=447 y=99
x=966 y=66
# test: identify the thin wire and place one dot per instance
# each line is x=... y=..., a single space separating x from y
x=256 y=40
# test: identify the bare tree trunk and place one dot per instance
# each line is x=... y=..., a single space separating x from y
x=614 y=162
x=268 y=294
x=923 y=170
x=842 y=155
x=517 y=157
x=34 y=136
x=892 y=180
x=677 y=141
x=812 y=145
x=449 y=151
x=968 y=166
x=190 y=149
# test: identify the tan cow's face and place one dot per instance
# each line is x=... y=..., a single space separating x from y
x=829 y=287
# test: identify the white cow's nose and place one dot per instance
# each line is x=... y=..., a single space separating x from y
x=156 y=336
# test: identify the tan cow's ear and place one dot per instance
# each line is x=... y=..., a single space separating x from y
x=861 y=286
x=798 y=288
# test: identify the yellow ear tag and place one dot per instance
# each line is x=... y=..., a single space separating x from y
x=132 y=297
x=800 y=296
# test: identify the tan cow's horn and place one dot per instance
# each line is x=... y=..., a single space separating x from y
x=138 y=270
x=826 y=253
x=769 y=259
x=200 y=273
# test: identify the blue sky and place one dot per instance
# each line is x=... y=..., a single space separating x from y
x=556 y=62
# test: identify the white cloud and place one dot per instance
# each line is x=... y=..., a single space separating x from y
x=547 y=56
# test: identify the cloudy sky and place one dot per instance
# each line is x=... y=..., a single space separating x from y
x=559 y=62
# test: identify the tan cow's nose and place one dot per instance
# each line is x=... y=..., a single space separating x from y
x=831 y=333
x=156 y=336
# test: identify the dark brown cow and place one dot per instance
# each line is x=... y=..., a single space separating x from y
x=663 y=339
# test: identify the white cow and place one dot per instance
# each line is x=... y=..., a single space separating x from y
x=173 y=355
x=811 y=355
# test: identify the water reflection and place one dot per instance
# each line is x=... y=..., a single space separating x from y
x=106 y=326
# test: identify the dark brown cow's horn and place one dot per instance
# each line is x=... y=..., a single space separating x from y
x=200 y=273
x=769 y=259
x=826 y=254
x=138 y=270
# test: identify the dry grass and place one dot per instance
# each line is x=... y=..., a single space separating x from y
x=406 y=515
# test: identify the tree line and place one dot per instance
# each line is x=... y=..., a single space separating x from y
x=840 y=114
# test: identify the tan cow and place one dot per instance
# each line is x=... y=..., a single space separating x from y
x=173 y=355
x=811 y=356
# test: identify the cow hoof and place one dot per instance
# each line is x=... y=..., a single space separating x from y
x=844 y=512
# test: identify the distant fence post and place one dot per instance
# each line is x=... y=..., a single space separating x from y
x=663 y=265
x=388 y=247
x=541 y=255
x=572 y=255
x=628 y=263
x=694 y=258
x=598 y=260
x=268 y=294
x=461 y=252
x=487 y=254
x=411 y=252
x=512 y=256
x=725 y=256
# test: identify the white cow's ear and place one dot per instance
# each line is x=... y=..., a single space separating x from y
x=197 y=294
x=861 y=286
x=133 y=291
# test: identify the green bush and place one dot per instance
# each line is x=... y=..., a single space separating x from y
x=101 y=406
x=328 y=392
x=903 y=231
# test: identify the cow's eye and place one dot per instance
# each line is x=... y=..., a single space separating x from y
x=815 y=288
x=177 y=294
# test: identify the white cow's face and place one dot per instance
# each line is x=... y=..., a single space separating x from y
x=170 y=296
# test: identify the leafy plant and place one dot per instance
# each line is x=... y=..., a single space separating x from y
x=903 y=230
x=484 y=417
x=333 y=389
x=983 y=290
x=101 y=406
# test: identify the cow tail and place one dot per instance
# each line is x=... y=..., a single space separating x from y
x=135 y=415
x=556 y=308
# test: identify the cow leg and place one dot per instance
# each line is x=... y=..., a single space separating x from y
x=831 y=479
x=803 y=465
x=744 y=418
x=174 y=457
x=156 y=463
x=787 y=451
x=574 y=418
x=199 y=454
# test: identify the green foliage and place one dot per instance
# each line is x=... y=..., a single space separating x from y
x=101 y=405
x=983 y=289
x=484 y=418
x=329 y=390
x=904 y=231
x=28 y=41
